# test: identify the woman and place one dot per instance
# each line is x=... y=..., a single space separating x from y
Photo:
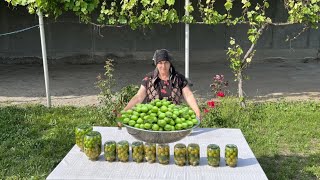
x=164 y=82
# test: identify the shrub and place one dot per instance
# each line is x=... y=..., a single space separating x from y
x=113 y=101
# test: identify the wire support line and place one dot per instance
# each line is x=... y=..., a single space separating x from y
x=19 y=31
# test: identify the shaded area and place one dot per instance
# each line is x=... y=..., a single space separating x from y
x=291 y=166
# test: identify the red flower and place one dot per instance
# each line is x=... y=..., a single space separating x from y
x=210 y=104
x=163 y=91
x=205 y=110
x=220 y=94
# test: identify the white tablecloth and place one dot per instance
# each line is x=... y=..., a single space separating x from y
x=75 y=165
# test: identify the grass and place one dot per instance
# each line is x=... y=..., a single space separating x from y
x=34 y=139
x=284 y=136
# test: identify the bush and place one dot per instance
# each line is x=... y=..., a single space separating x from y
x=111 y=100
x=223 y=113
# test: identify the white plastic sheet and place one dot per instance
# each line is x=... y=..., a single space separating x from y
x=75 y=165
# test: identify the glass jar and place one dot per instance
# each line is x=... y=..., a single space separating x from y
x=163 y=152
x=231 y=155
x=80 y=131
x=110 y=151
x=137 y=151
x=150 y=152
x=213 y=155
x=193 y=154
x=92 y=145
x=180 y=154
x=123 y=151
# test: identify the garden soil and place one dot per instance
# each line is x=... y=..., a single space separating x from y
x=74 y=84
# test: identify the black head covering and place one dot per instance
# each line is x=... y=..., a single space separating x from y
x=161 y=55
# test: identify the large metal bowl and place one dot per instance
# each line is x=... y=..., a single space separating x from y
x=159 y=137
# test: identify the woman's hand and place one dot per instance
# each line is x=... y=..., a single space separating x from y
x=188 y=96
x=199 y=118
x=119 y=124
x=138 y=98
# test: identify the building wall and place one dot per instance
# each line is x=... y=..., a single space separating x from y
x=70 y=41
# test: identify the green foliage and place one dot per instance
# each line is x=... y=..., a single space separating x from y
x=110 y=14
x=112 y=100
x=256 y=20
x=228 y=5
x=234 y=54
x=55 y=8
x=81 y=7
x=125 y=95
x=219 y=116
x=157 y=13
x=106 y=82
x=188 y=18
x=170 y=2
x=114 y=12
x=209 y=14
x=126 y=12
x=306 y=12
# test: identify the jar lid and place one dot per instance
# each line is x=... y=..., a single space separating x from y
x=109 y=142
x=213 y=146
x=232 y=146
x=93 y=133
x=137 y=143
x=123 y=142
x=193 y=145
x=180 y=145
x=84 y=126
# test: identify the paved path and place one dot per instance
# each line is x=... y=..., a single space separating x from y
x=74 y=84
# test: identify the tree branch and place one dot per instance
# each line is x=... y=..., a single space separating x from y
x=198 y=22
x=302 y=31
x=252 y=45
x=246 y=22
x=89 y=22
x=103 y=25
x=281 y=24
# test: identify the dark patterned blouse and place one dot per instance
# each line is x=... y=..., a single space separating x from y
x=170 y=89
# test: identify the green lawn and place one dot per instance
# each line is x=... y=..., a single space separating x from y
x=34 y=139
x=284 y=136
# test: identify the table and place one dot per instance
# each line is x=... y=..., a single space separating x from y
x=75 y=165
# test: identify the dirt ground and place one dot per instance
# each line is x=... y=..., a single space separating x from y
x=74 y=84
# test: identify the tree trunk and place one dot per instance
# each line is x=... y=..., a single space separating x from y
x=240 y=90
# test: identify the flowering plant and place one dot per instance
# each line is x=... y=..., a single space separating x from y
x=210 y=104
x=218 y=85
x=211 y=116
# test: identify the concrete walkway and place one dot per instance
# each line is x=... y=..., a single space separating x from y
x=74 y=84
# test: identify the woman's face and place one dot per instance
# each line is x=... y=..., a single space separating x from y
x=163 y=67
